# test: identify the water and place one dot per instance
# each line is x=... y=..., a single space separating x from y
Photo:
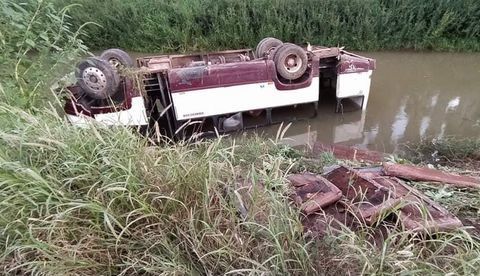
x=413 y=96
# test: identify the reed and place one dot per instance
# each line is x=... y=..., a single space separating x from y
x=194 y=25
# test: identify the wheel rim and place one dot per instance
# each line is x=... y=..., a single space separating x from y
x=95 y=79
x=293 y=63
x=115 y=63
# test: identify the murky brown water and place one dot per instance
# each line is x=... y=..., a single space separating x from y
x=413 y=96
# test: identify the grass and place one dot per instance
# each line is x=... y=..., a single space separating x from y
x=106 y=201
x=406 y=254
x=449 y=151
x=197 y=25
x=90 y=201
x=464 y=203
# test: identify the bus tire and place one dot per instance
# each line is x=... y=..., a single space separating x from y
x=266 y=45
x=117 y=58
x=291 y=61
x=97 y=78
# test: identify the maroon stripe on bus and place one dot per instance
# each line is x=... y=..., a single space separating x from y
x=221 y=75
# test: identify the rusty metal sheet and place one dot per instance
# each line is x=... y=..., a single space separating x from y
x=220 y=75
x=323 y=52
x=366 y=198
x=372 y=195
x=313 y=192
x=425 y=174
x=353 y=64
x=167 y=62
x=418 y=212
x=350 y=153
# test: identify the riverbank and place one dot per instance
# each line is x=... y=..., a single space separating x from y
x=104 y=201
x=460 y=153
x=191 y=25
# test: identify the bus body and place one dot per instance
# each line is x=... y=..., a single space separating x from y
x=219 y=91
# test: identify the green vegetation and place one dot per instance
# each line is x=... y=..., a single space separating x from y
x=101 y=200
x=105 y=201
x=36 y=46
x=193 y=25
x=461 y=202
x=450 y=151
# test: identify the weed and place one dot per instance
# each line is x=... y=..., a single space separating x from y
x=458 y=152
x=36 y=45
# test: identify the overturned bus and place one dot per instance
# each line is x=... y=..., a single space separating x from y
x=214 y=92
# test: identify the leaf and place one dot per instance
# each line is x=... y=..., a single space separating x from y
x=44 y=36
x=30 y=42
x=56 y=47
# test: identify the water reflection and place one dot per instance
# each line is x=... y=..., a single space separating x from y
x=400 y=124
x=442 y=131
x=349 y=131
x=308 y=138
x=413 y=96
x=433 y=101
x=453 y=104
x=370 y=136
x=424 y=126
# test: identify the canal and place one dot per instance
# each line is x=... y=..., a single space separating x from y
x=414 y=96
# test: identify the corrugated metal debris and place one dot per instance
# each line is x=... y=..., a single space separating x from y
x=369 y=196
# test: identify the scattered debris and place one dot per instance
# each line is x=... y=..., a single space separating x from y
x=350 y=153
x=352 y=197
x=367 y=199
x=415 y=173
x=368 y=195
x=313 y=192
x=418 y=212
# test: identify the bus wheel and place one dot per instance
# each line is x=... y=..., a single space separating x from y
x=290 y=61
x=117 y=58
x=97 y=78
x=265 y=45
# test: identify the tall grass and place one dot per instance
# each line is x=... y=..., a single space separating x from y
x=190 y=25
x=103 y=201
x=96 y=201
x=37 y=45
